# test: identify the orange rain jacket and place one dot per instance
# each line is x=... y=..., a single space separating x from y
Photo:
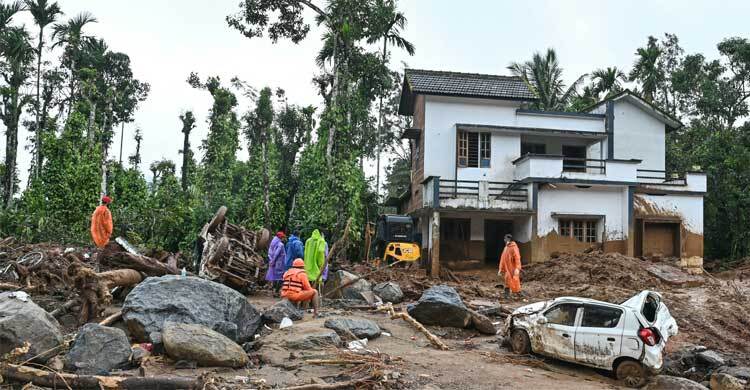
x=510 y=261
x=101 y=226
x=296 y=287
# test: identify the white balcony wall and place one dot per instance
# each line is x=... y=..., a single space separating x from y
x=612 y=202
x=560 y=122
x=694 y=182
x=538 y=166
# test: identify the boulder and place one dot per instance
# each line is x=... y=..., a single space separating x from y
x=189 y=300
x=721 y=381
x=709 y=358
x=198 y=343
x=666 y=382
x=307 y=341
x=281 y=309
x=740 y=372
x=482 y=323
x=97 y=350
x=389 y=292
x=21 y=320
x=440 y=305
x=353 y=291
x=359 y=327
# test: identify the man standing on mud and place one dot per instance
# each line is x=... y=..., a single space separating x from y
x=510 y=267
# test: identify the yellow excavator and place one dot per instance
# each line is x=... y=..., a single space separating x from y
x=395 y=239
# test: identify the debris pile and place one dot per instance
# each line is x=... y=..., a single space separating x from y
x=232 y=254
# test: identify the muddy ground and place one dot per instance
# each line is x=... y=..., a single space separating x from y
x=713 y=314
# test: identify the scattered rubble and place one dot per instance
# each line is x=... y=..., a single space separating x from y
x=189 y=300
x=721 y=381
x=232 y=254
x=199 y=344
x=22 y=321
x=97 y=350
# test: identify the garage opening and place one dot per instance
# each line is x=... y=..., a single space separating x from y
x=494 y=232
x=658 y=239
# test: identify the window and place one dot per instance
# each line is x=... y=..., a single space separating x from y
x=527 y=148
x=564 y=314
x=455 y=229
x=581 y=230
x=474 y=149
x=574 y=158
x=600 y=317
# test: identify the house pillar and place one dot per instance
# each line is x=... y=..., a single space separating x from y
x=435 y=245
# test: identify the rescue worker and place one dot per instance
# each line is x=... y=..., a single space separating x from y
x=510 y=266
x=297 y=287
x=295 y=249
x=276 y=257
x=315 y=255
x=101 y=223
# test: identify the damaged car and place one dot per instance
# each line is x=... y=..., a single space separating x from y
x=627 y=339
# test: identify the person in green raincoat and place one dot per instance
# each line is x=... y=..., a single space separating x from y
x=315 y=255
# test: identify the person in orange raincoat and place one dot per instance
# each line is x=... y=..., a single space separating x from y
x=296 y=287
x=510 y=266
x=101 y=223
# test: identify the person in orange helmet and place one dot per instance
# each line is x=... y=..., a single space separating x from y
x=296 y=287
x=101 y=223
x=510 y=266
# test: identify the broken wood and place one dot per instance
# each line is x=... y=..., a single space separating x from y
x=351 y=384
x=38 y=377
x=406 y=317
x=111 y=319
x=334 y=361
x=147 y=265
x=10 y=286
x=64 y=308
x=94 y=288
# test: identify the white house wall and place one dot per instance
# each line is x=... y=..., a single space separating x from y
x=560 y=122
x=689 y=208
x=610 y=202
x=638 y=135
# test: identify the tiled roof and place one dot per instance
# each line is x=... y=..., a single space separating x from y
x=467 y=84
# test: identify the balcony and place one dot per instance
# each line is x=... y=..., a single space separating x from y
x=672 y=181
x=475 y=194
x=544 y=166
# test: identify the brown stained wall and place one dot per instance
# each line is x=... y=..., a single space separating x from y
x=542 y=248
x=457 y=250
x=691 y=244
x=417 y=161
x=619 y=246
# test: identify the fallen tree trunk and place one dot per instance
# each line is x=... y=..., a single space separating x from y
x=10 y=286
x=339 y=385
x=25 y=374
x=147 y=265
x=94 y=288
x=111 y=319
x=406 y=317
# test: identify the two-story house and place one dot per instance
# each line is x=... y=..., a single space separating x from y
x=484 y=165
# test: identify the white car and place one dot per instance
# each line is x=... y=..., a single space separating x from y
x=627 y=339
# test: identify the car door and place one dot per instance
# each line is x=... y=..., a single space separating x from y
x=557 y=332
x=598 y=338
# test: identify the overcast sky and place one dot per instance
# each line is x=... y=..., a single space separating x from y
x=167 y=39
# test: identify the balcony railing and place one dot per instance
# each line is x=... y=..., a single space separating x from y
x=477 y=194
x=450 y=189
x=653 y=176
x=590 y=165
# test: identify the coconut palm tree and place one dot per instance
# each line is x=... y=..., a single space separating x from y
x=71 y=35
x=18 y=54
x=390 y=25
x=44 y=14
x=7 y=11
x=607 y=81
x=646 y=69
x=543 y=75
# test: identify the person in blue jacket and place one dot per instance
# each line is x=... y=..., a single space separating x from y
x=295 y=249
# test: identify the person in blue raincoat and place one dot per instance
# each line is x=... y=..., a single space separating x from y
x=276 y=261
x=295 y=249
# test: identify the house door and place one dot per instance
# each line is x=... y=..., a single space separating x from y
x=661 y=239
x=494 y=231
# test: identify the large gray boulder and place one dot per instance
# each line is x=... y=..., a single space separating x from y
x=359 y=327
x=189 y=300
x=721 y=381
x=361 y=289
x=316 y=340
x=281 y=309
x=197 y=343
x=740 y=372
x=97 y=350
x=23 y=321
x=389 y=292
x=666 y=382
x=440 y=305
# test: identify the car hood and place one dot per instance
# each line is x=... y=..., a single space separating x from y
x=532 y=308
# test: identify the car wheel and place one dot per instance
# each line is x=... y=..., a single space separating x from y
x=519 y=342
x=631 y=373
